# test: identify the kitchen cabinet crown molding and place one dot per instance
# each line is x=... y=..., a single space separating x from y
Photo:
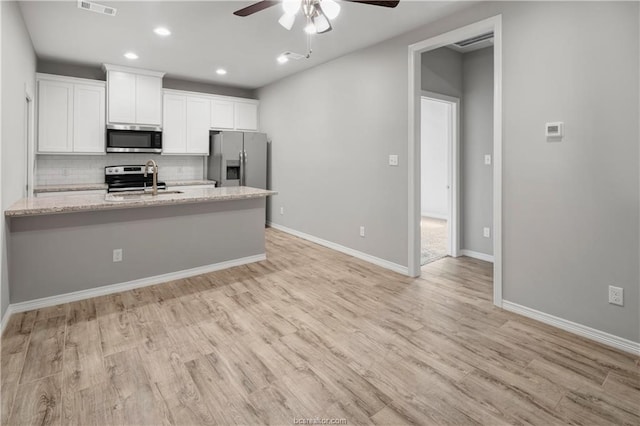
x=65 y=79
x=139 y=71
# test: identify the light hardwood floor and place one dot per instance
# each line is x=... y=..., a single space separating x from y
x=309 y=333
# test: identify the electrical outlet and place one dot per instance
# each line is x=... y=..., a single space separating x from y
x=282 y=210
x=393 y=160
x=117 y=255
x=616 y=295
x=486 y=232
x=362 y=231
x=487 y=159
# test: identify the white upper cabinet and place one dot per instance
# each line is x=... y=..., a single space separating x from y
x=222 y=114
x=174 y=129
x=246 y=115
x=134 y=96
x=198 y=115
x=148 y=100
x=71 y=115
x=186 y=124
x=55 y=116
x=122 y=97
x=88 y=118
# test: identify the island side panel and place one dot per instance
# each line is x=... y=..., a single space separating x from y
x=62 y=253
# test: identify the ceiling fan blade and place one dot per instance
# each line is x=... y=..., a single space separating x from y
x=377 y=3
x=256 y=7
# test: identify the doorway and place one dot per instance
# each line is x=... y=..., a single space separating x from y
x=491 y=26
x=438 y=183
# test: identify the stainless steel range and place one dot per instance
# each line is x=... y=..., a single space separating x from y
x=129 y=178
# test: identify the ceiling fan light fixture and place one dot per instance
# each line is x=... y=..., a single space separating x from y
x=310 y=28
x=287 y=20
x=321 y=23
x=291 y=6
x=330 y=8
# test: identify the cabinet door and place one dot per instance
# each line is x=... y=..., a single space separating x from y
x=122 y=97
x=55 y=116
x=175 y=122
x=222 y=113
x=88 y=118
x=198 y=114
x=246 y=116
x=148 y=100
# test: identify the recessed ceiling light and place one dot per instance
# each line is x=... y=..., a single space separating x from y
x=221 y=71
x=162 y=31
x=130 y=55
x=282 y=59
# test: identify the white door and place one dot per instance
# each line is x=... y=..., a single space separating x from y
x=198 y=118
x=438 y=199
x=88 y=118
x=148 y=100
x=55 y=116
x=175 y=124
x=222 y=114
x=122 y=97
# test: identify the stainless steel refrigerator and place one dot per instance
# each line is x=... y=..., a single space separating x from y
x=238 y=159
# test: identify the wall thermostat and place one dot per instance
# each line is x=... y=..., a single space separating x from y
x=554 y=130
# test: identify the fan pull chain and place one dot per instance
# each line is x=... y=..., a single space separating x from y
x=309 y=51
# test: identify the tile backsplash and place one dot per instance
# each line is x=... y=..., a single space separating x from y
x=81 y=169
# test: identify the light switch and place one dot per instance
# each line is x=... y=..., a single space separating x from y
x=393 y=160
x=487 y=159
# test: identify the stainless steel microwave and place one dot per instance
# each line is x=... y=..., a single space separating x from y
x=128 y=138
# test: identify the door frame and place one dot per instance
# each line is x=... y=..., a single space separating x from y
x=453 y=176
x=30 y=119
x=414 y=94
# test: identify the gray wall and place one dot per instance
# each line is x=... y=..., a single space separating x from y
x=49 y=66
x=63 y=253
x=18 y=76
x=476 y=195
x=570 y=209
x=442 y=72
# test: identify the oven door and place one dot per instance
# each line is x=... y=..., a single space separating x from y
x=134 y=139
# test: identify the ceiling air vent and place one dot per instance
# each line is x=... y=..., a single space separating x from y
x=474 y=40
x=98 y=8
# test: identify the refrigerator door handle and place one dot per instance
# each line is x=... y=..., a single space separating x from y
x=241 y=180
x=244 y=172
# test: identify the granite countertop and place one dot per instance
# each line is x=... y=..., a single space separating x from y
x=94 y=202
x=99 y=186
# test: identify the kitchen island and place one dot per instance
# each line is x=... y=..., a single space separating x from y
x=77 y=246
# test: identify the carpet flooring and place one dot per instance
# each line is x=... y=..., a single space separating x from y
x=433 y=241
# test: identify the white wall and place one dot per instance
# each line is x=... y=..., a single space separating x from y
x=18 y=76
x=435 y=140
x=570 y=209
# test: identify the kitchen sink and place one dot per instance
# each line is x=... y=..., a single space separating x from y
x=137 y=195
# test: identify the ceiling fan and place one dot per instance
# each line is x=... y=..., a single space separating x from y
x=318 y=13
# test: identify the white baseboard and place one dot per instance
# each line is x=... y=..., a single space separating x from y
x=346 y=250
x=575 y=328
x=476 y=255
x=129 y=285
x=5 y=319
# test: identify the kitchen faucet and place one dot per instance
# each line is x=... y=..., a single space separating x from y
x=154 y=188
